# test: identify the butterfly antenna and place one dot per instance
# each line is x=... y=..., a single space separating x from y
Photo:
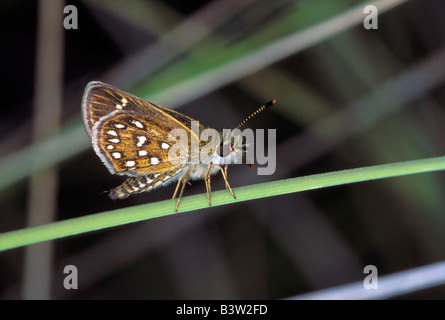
x=262 y=108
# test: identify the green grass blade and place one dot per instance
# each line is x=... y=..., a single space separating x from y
x=65 y=228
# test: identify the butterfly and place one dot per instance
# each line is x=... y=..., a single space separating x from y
x=135 y=138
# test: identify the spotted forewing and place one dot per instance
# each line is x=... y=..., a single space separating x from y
x=129 y=134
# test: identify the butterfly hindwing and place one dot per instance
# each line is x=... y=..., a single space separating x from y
x=134 y=144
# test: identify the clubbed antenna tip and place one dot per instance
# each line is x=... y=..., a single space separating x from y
x=263 y=107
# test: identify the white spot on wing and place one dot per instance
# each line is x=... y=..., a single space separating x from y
x=142 y=153
x=112 y=132
x=116 y=155
x=138 y=124
x=165 y=145
x=130 y=163
x=114 y=140
x=154 y=160
x=142 y=140
x=141 y=184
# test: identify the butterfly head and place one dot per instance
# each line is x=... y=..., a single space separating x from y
x=233 y=146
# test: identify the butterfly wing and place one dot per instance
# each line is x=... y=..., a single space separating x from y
x=130 y=135
x=132 y=144
x=100 y=99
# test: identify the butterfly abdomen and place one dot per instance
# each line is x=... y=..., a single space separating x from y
x=130 y=186
x=142 y=183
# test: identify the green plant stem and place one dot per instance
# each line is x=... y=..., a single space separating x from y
x=98 y=221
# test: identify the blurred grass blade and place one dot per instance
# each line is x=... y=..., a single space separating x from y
x=389 y=286
x=212 y=77
x=42 y=155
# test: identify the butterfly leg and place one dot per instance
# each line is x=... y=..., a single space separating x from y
x=177 y=188
x=208 y=186
x=224 y=173
x=184 y=182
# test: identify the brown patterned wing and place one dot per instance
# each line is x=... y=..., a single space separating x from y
x=130 y=134
x=132 y=144
x=100 y=99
